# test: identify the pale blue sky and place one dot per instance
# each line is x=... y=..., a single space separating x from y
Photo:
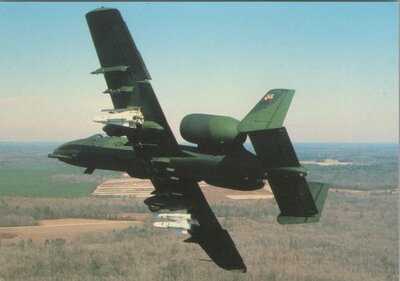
x=218 y=58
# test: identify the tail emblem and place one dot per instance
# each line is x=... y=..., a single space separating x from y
x=269 y=97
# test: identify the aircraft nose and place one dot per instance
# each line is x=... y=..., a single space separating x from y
x=64 y=152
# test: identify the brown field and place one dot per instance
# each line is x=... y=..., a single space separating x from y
x=124 y=187
x=64 y=228
x=327 y=162
x=131 y=187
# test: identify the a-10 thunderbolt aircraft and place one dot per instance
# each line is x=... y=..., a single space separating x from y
x=140 y=142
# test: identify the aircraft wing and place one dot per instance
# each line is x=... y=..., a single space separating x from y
x=125 y=73
x=214 y=240
x=120 y=60
x=209 y=234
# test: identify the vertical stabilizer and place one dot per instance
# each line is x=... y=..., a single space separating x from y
x=269 y=112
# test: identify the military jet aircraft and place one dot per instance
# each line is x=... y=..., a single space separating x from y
x=140 y=142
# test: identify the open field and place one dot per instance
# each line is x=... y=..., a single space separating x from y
x=352 y=242
x=139 y=188
x=124 y=187
x=26 y=171
x=375 y=166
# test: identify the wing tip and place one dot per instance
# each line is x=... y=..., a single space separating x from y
x=102 y=9
x=101 y=12
x=242 y=269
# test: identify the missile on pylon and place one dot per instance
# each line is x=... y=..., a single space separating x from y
x=131 y=118
x=177 y=221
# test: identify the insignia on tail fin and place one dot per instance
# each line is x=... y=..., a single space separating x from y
x=269 y=112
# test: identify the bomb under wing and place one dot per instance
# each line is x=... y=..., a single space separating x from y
x=181 y=222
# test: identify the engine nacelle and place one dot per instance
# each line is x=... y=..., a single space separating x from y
x=211 y=130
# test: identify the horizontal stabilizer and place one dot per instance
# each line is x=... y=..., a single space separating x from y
x=274 y=148
x=319 y=193
x=293 y=195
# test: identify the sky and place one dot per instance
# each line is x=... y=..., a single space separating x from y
x=217 y=58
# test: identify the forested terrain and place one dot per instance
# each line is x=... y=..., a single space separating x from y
x=356 y=239
x=375 y=166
